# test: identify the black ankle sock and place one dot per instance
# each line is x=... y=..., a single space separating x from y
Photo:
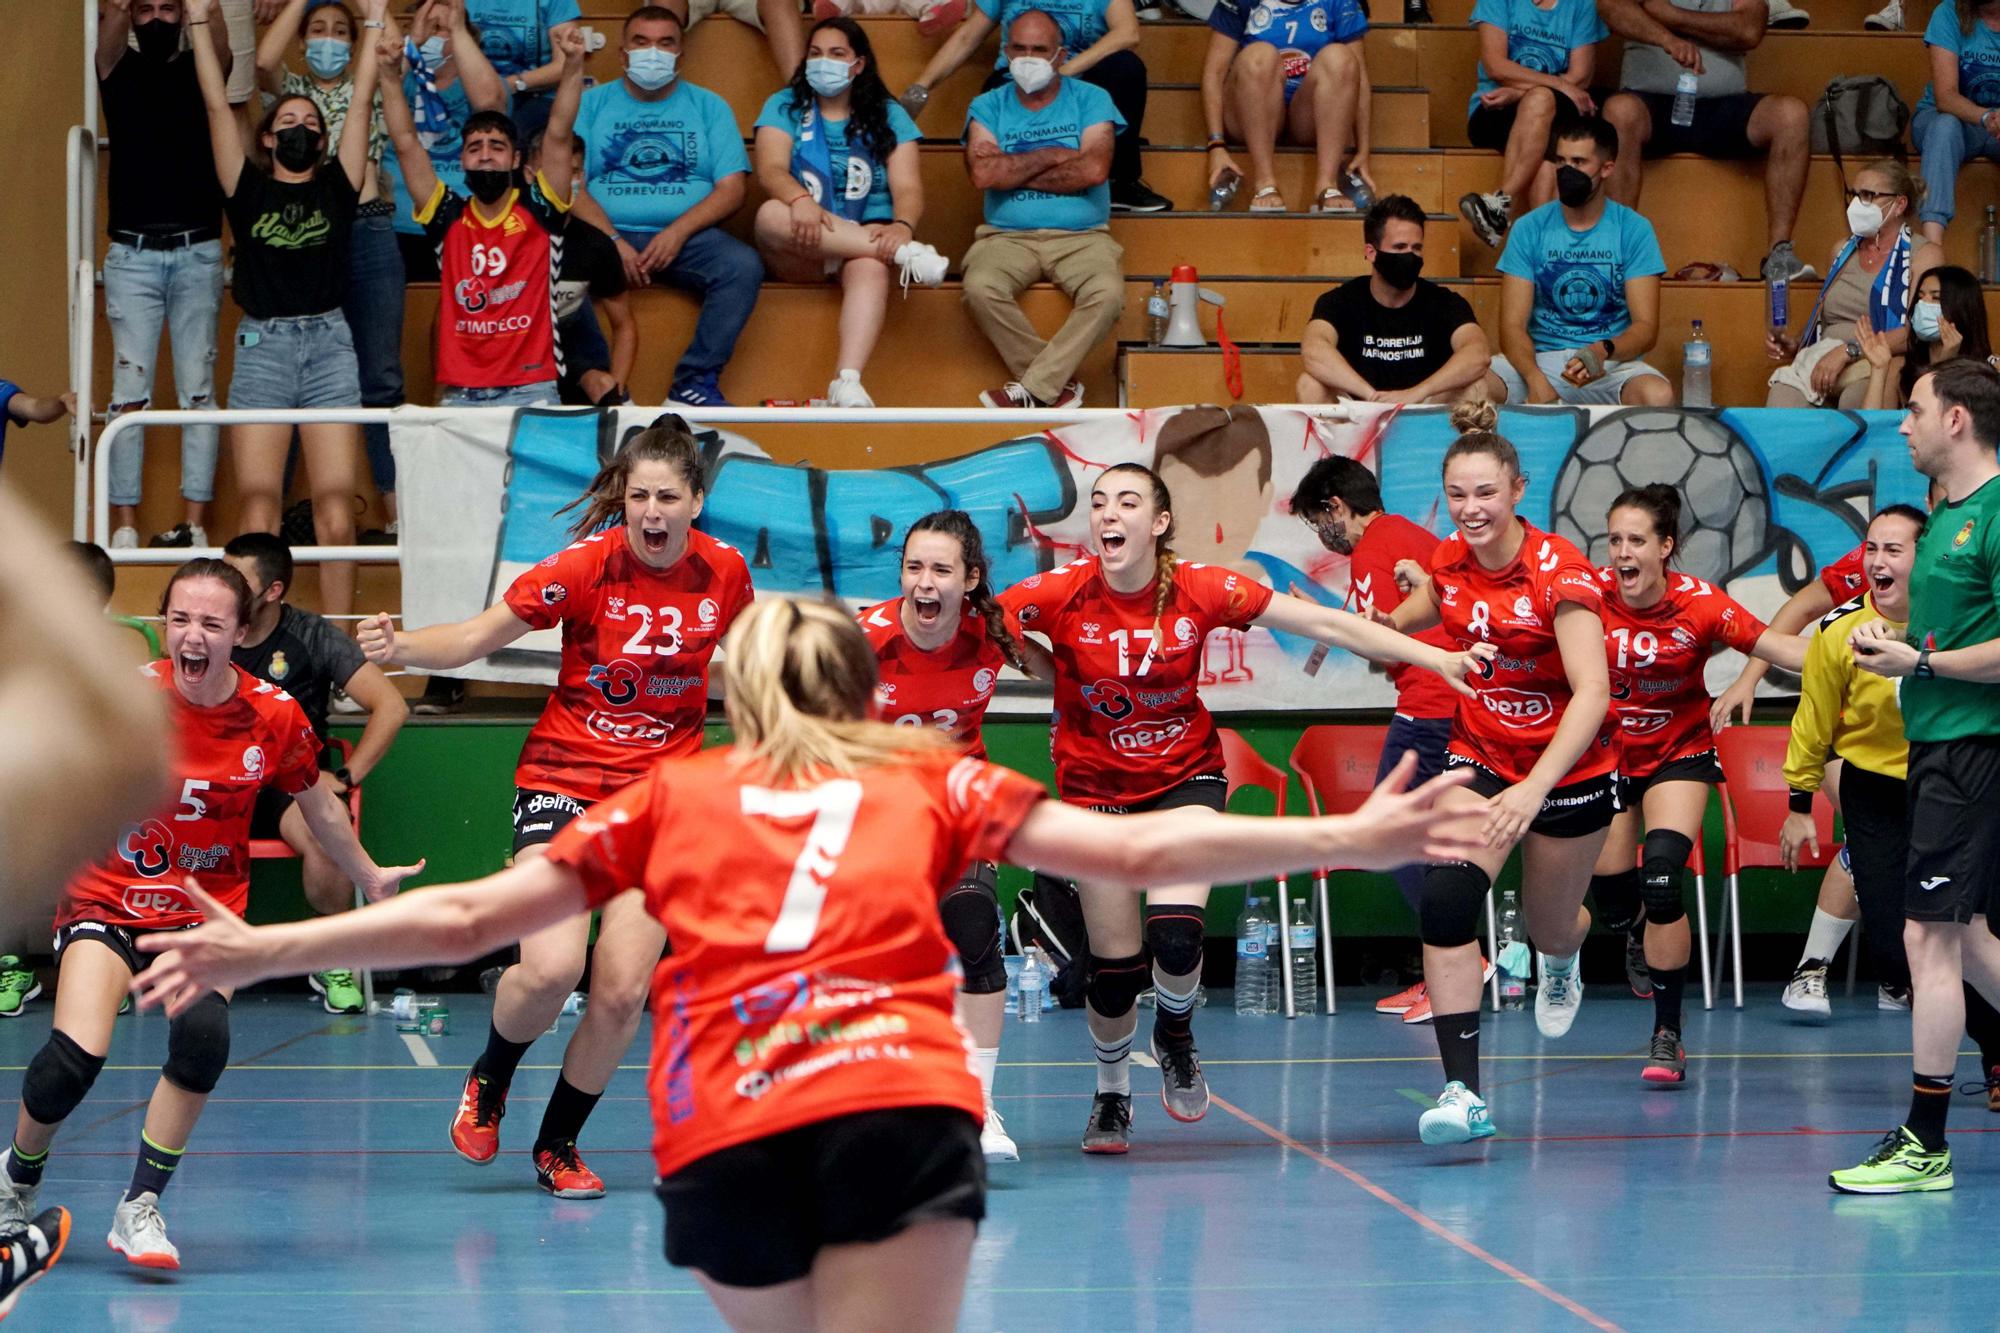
x=501 y=1059
x=154 y=1169
x=569 y=1107
x=1458 y=1046
x=25 y=1168
x=1668 y=985
x=1930 y=1098
x=1982 y=1024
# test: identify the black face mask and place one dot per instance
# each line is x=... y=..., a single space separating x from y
x=298 y=148
x=1399 y=269
x=1574 y=187
x=488 y=185
x=158 y=39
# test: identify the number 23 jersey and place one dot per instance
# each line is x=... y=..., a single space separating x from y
x=947 y=689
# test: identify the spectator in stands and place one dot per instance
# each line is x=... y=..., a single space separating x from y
x=1391 y=336
x=450 y=78
x=373 y=304
x=778 y=20
x=1870 y=279
x=1580 y=288
x=291 y=209
x=517 y=37
x=667 y=170
x=1710 y=38
x=1295 y=69
x=164 y=265
x=1041 y=150
x=1535 y=65
x=590 y=278
x=1947 y=321
x=1099 y=45
x=20 y=408
x=1959 y=113
x=838 y=159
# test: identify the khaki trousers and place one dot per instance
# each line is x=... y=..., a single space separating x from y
x=1084 y=264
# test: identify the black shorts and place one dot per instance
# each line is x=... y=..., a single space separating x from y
x=1488 y=127
x=1701 y=767
x=540 y=815
x=1954 y=835
x=121 y=940
x=757 y=1214
x=1573 y=811
x=1210 y=790
x=1721 y=126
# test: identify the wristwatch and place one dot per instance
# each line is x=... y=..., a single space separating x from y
x=1924 y=670
x=347 y=779
x=1608 y=347
x=519 y=83
x=1853 y=349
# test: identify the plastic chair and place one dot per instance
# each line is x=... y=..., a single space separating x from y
x=277 y=849
x=1244 y=767
x=1755 y=801
x=1336 y=766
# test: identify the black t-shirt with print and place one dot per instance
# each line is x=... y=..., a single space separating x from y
x=1395 y=348
x=305 y=656
x=292 y=241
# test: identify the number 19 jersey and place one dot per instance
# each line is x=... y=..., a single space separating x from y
x=1657 y=655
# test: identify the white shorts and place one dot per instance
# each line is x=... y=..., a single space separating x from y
x=743 y=10
x=1605 y=389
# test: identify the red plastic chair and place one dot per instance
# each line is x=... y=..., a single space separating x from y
x=277 y=849
x=1244 y=767
x=1755 y=801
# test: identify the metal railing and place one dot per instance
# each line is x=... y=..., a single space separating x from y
x=81 y=252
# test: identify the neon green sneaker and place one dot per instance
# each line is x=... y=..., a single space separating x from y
x=18 y=985
x=337 y=991
x=1899 y=1165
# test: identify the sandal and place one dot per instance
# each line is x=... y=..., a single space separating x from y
x=1331 y=200
x=1268 y=200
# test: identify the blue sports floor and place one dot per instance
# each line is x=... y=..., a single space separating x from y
x=320 y=1189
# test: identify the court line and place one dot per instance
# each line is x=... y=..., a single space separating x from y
x=420 y=1050
x=1424 y=1220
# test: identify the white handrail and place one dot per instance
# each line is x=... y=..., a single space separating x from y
x=82 y=369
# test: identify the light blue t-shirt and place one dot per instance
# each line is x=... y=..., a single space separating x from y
x=650 y=162
x=445 y=150
x=867 y=173
x=1580 y=276
x=514 y=34
x=1081 y=21
x=1538 y=39
x=1978 y=55
x=1075 y=108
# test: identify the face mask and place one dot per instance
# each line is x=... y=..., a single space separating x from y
x=1031 y=73
x=1574 y=187
x=298 y=148
x=158 y=39
x=651 y=68
x=1924 y=321
x=1863 y=218
x=488 y=185
x=432 y=51
x=327 y=56
x=1399 y=269
x=828 y=78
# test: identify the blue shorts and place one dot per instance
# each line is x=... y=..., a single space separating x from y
x=302 y=361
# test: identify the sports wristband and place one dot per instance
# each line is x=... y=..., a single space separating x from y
x=1800 y=802
x=1924 y=670
x=377 y=24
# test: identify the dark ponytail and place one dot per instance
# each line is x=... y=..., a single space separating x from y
x=1163 y=501
x=667 y=440
x=1659 y=502
x=957 y=524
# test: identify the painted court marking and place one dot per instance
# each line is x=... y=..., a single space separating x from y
x=420 y=1050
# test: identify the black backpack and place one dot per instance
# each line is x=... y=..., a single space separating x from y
x=1049 y=913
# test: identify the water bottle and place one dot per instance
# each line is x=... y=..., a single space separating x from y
x=1156 y=313
x=1225 y=188
x=1696 y=355
x=1989 y=249
x=1253 y=959
x=406 y=1007
x=1034 y=980
x=1304 y=958
x=1684 y=87
x=1780 y=297
x=1512 y=961
x=1358 y=192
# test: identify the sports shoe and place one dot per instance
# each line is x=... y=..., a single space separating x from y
x=1637 y=975
x=17 y=1202
x=1459 y=1117
x=1487 y=213
x=1014 y=394
x=1785 y=14
x=1889 y=18
x=337 y=991
x=846 y=391
x=29 y=1252
x=18 y=985
x=341 y=702
x=922 y=264
x=1183 y=1087
x=1805 y=993
x=1783 y=262
x=475 y=1129
x=442 y=694
x=181 y=534
x=1558 y=997
x=125 y=539
x=1667 y=1062
x=995 y=1143
x=1135 y=196
x=1110 y=1127
x=562 y=1173
x=1403 y=1000
x=1417 y=11
x=699 y=391
x=1420 y=1012
x=140 y=1234
x=1899 y=1165
x=1893 y=998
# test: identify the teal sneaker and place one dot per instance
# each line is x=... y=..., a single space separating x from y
x=18 y=985
x=337 y=991
x=1899 y=1165
x=1460 y=1116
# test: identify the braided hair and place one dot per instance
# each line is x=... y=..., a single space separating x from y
x=1164 y=557
x=958 y=524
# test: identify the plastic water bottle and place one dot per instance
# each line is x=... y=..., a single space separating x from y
x=1780 y=310
x=1253 y=959
x=1225 y=188
x=1512 y=961
x=1684 y=87
x=1989 y=249
x=1696 y=355
x=1034 y=981
x=1156 y=313
x=406 y=1007
x=1358 y=192
x=1304 y=958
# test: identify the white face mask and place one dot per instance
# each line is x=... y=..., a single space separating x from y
x=652 y=68
x=1031 y=73
x=1863 y=218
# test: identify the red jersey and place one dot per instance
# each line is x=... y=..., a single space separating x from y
x=1519 y=697
x=1656 y=657
x=221 y=757
x=1844 y=578
x=810 y=976
x=947 y=689
x=633 y=685
x=1371 y=586
x=497 y=293
x=1129 y=723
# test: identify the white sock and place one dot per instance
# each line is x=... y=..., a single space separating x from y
x=1560 y=966
x=1114 y=1065
x=984 y=1059
x=1824 y=937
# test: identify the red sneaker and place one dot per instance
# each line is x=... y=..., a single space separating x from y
x=562 y=1173
x=1420 y=1012
x=1402 y=1001
x=475 y=1129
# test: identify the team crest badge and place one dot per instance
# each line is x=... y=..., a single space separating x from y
x=1964 y=535
x=280 y=668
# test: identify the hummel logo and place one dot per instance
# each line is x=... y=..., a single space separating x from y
x=1930 y=884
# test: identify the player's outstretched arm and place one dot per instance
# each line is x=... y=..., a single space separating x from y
x=1357 y=634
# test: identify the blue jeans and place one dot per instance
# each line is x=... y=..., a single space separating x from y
x=181 y=289
x=1946 y=142
x=1428 y=736
x=298 y=361
x=726 y=274
x=513 y=395
x=374 y=310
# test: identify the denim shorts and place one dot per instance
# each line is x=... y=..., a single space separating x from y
x=303 y=361
x=513 y=395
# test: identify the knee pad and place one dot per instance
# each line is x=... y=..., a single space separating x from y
x=1619 y=899
x=1448 y=915
x=1174 y=934
x=1664 y=858
x=1115 y=984
x=198 y=1045
x=58 y=1078
x=971 y=915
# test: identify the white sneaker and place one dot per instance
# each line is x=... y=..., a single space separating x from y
x=1558 y=997
x=199 y=533
x=1806 y=992
x=921 y=264
x=1785 y=14
x=1889 y=18
x=1459 y=1117
x=125 y=539
x=846 y=391
x=1889 y=998
x=340 y=701
x=140 y=1234
x=994 y=1140
x=17 y=1202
